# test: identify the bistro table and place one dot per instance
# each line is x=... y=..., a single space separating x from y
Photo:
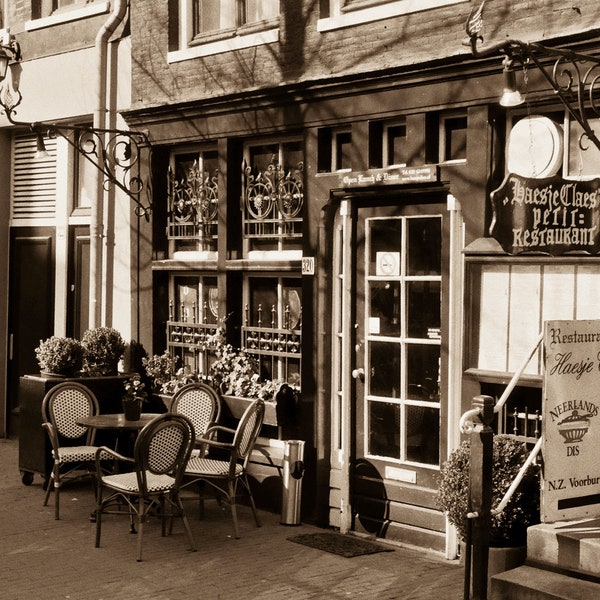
x=118 y=423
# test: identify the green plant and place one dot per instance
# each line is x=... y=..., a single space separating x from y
x=508 y=528
x=134 y=390
x=161 y=369
x=60 y=355
x=103 y=347
x=237 y=373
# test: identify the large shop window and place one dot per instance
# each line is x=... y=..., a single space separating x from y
x=273 y=199
x=272 y=325
x=193 y=317
x=193 y=204
x=509 y=300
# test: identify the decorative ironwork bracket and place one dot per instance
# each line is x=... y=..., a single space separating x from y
x=573 y=76
x=115 y=153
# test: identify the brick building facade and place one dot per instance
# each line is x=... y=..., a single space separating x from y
x=320 y=176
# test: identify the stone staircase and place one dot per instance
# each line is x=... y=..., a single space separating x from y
x=563 y=562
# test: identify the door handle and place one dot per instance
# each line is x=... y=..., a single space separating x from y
x=358 y=374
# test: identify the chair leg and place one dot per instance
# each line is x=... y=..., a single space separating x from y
x=252 y=505
x=140 y=531
x=186 y=523
x=98 y=516
x=232 y=488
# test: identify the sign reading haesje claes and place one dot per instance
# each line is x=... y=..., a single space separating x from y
x=571 y=421
x=551 y=215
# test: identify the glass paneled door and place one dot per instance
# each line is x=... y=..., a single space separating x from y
x=398 y=399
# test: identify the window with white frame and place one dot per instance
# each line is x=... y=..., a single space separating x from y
x=208 y=18
x=45 y=13
x=344 y=13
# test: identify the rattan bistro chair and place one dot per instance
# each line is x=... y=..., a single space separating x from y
x=62 y=407
x=200 y=403
x=161 y=451
x=224 y=474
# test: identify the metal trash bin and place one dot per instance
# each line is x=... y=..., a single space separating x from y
x=293 y=471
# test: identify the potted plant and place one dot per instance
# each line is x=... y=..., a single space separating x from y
x=59 y=356
x=133 y=398
x=508 y=528
x=160 y=369
x=103 y=348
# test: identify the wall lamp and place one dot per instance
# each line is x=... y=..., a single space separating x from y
x=116 y=153
x=574 y=77
x=10 y=53
x=511 y=96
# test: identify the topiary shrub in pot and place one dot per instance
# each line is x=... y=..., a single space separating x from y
x=103 y=347
x=60 y=356
x=508 y=528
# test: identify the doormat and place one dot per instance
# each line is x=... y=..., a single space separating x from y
x=337 y=543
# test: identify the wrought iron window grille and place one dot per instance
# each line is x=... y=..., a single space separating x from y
x=272 y=200
x=193 y=204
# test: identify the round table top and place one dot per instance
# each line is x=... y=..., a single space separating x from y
x=116 y=421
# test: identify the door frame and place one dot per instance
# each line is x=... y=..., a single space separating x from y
x=453 y=372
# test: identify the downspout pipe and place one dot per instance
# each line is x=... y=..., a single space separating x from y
x=100 y=122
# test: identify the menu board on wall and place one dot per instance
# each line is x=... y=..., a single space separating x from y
x=550 y=215
x=571 y=423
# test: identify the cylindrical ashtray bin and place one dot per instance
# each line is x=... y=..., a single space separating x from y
x=293 y=471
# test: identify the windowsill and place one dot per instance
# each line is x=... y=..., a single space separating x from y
x=66 y=16
x=503 y=378
x=230 y=44
x=382 y=11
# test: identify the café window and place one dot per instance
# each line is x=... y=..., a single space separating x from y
x=273 y=198
x=453 y=138
x=272 y=325
x=193 y=317
x=193 y=200
x=394 y=144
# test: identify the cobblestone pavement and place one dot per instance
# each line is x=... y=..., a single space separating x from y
x=56 y=560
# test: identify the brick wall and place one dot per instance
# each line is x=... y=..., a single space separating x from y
x=305 y=54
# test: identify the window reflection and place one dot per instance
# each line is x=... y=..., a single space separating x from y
x=384 y=431
x=384 y=364
x=424 y=309
x=424 y=241
x=385 y=308
x=422 y=434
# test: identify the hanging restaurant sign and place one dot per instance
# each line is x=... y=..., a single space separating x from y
x=551 y=215
x=390 y=176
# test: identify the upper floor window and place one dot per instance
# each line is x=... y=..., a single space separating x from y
x=45 y=13
x=209 y=16
x=345 y=13
x=207 y=27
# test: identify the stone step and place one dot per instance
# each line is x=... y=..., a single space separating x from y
x=531 y=583
x=567 y=546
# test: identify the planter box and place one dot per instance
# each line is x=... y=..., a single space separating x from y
x=237 y=406
x=35 y=454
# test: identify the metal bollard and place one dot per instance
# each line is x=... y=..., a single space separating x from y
x=293 y=471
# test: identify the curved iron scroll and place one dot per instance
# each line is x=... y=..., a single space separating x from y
x=572 y=75
x=273 y=187
x=116 y=153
